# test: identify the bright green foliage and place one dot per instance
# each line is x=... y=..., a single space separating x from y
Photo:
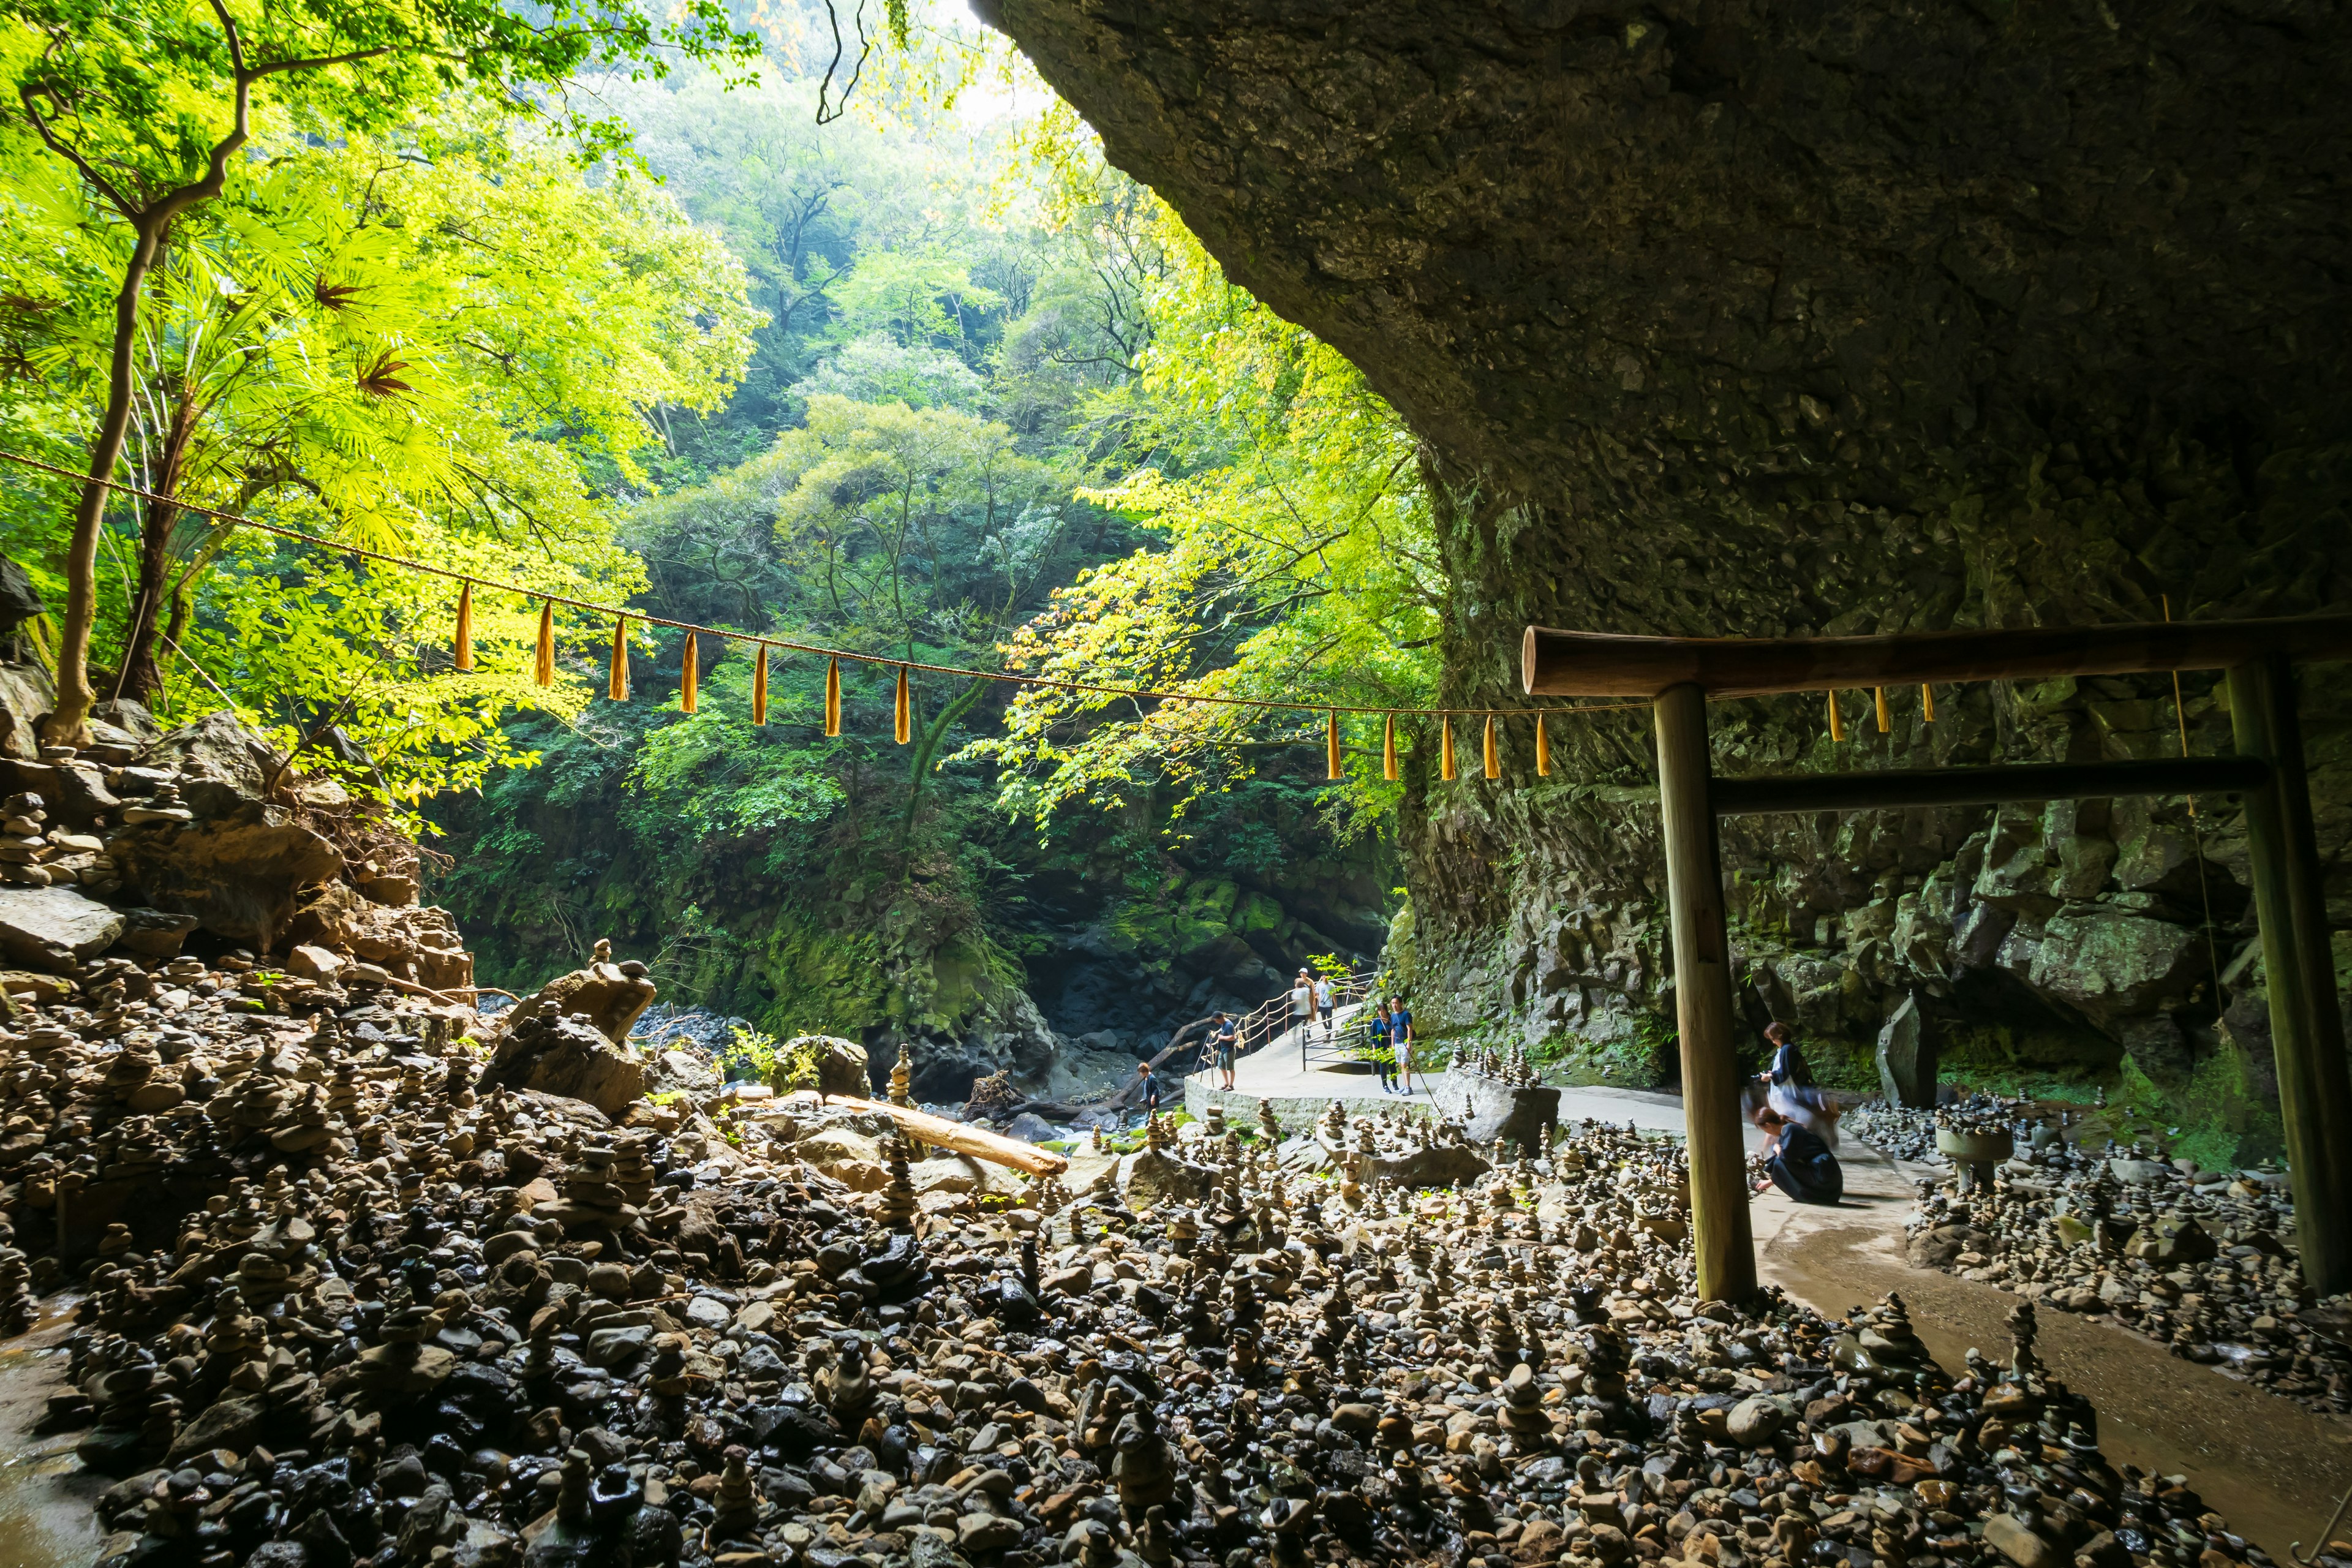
x=139 y=92
x=401 y=342
x=302 y=643
x=439 y=358
x=1294 y=562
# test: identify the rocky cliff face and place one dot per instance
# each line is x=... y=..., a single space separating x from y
x=1764 y=320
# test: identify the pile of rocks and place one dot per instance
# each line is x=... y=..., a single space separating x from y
x=400 y=1319
x=2204 y=1261
x=132 y=844
x=1896 y=1132
x=1509 y=1065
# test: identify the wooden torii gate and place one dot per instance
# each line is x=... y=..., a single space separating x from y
x=1678 y=675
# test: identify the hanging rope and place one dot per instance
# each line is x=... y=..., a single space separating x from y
x=1077 y=688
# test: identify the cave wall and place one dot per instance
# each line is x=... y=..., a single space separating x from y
x=1775 y=319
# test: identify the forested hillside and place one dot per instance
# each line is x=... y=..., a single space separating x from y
x=975 y=417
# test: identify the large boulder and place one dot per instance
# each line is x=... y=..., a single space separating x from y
x=1436 y=1165
x=25 y=694
x=1906 y=1057
x=842 y=1066
x=1152 y=1176
x=242 y=875
x=418 y=944
x=609 y=996
x=55 y=928
x=2111 y=965
x=19 y=600
x=547 y=1050
x=1489 y=1109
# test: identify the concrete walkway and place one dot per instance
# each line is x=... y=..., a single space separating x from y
x=1275 y=1075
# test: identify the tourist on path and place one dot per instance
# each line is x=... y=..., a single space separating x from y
x=1323 y=1003
x=1228 y=1043
x=1377 y=1046
x=1302 y=1001
x=1796 y=1161
x=1400 y=1042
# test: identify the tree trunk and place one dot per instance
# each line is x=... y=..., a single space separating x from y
x=927 y=745
x=137 y=674
x=68 y=725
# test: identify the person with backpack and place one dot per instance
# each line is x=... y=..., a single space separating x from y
x=1377 y=1049
x=1227 y=1044
x=1323 y=1003
x=1302 y=1001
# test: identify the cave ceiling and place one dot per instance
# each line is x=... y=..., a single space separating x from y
x=1725 y=270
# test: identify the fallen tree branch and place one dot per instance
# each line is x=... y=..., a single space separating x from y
x=955 y=1136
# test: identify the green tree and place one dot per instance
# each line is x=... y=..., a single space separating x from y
x=1293 y=559
x=150 y=101
x=399 y=343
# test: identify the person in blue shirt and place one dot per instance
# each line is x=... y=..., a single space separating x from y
x=1228 y=1041
x=1400 y=1042
x=1376 y=1047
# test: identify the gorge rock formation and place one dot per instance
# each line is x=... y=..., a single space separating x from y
x=1758 y=319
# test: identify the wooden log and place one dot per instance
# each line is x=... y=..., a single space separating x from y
x=2315 y=1088
x=1987 y=785
x=1594 y=664
x=957 y=1137
x=1720 y=1236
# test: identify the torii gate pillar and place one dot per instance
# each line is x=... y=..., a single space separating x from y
x=1720 y=1236
x=2306 y=1018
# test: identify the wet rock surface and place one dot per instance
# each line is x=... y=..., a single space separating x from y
x=2204 y=1262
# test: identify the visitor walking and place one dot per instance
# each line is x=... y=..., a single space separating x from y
x=1323 y=1002
x=1302 y=1001
x=1228 y=1044
x=1796 y=1161
x=1789 y=1087
x=1400 y=1042
x=1377 y=1046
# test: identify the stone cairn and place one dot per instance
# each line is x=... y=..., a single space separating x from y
x=2201 y=1261
x=1510 y=1068
x=495 y=1327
